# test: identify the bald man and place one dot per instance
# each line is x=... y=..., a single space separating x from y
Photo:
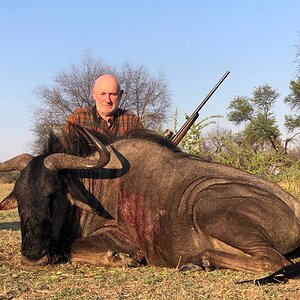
x=105 y=116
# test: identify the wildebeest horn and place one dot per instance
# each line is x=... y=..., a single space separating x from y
x=17 y=163
x=59 y=161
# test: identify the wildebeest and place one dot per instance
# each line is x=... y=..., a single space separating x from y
x=141 y=200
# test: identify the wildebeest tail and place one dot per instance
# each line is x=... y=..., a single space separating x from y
x=281 y=276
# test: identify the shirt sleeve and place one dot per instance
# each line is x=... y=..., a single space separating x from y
x=72 y=119
x=137 y=124
x=67 y=129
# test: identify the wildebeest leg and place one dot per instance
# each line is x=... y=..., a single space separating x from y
x=267 y=260
x=101 y=250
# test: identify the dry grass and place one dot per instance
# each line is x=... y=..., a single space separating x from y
x=70 y=281
x=291 y=184
x=5 y=189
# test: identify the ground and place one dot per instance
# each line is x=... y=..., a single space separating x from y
x=70 y=281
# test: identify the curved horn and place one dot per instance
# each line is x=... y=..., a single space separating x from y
x=17 y=163
x=99 y=159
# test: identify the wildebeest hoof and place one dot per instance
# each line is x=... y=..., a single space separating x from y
x=39 y=262
x=205 y=263
x=104 y=259
x=189 y=268
x=122 y=259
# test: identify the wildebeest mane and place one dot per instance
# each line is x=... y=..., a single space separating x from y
x=76 y=142
x=70 y=144
x=151 y=136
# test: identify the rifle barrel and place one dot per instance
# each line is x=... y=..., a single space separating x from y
x=195 y=113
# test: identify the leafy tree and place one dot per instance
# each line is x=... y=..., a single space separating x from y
x=145 y=94
x=292 y=122
x=242 y=110
x=261 y=129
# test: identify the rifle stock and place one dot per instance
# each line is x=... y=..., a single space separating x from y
x=191 y=120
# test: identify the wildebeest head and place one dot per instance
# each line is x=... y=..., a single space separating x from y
x=42 y=190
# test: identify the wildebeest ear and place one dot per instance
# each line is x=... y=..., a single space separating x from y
x=81 y=204
x=76 y=197
x=10 y=202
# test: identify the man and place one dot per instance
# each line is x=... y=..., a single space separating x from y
x=105 y=116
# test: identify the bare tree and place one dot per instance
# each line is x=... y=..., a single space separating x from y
x=146 y=95
x=71 y=90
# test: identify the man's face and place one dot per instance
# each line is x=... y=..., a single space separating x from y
x=107 y=95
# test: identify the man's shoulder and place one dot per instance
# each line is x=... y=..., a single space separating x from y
x=127 y=113
x=128 y=120
x=82 y=114
x=83 y=110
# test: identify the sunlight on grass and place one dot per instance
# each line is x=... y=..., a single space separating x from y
x=292 y=185
x=5 y=189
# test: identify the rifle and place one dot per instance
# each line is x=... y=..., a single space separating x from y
x=176 y=138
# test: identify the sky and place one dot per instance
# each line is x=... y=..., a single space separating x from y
x=193 y=42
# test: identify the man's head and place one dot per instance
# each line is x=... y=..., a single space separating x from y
x=107 y=95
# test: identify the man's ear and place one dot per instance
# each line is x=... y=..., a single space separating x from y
x=93 y=93
x=121 y=93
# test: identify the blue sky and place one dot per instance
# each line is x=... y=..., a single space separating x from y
x=192 y=42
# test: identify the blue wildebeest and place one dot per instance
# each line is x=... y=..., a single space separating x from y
x=141 y=200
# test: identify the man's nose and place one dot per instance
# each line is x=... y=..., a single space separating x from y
x=107 y=98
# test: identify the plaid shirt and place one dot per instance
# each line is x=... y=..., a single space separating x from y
x=89 y=118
